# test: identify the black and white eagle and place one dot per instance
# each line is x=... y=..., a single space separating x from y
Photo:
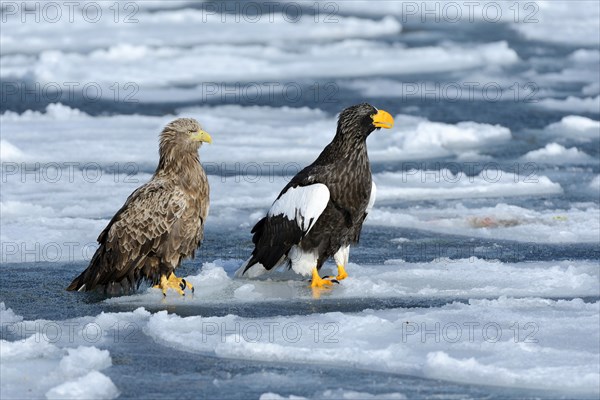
x=320 y=212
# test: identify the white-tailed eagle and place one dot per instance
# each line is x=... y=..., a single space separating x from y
x=160 y=224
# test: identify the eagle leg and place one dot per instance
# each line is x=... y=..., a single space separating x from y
x=317 y=281
x=173 y=282
x=342 y=274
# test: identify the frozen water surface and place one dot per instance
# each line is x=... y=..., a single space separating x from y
x=477 y=273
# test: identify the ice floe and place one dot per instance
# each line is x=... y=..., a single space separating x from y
x=35 y=367
x=555 y=153
x=502 y=221
x=575 y=128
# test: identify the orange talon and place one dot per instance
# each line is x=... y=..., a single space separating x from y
x=173 y=282
x=342 y=274
x=317 y=281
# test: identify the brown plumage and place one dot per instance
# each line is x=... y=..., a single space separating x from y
x=160 y=224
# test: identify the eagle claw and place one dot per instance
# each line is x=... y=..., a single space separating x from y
x=175 y=283
x=331 y=279
x=342 y=274
x=317 y=281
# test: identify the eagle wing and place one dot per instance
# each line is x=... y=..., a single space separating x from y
x=289 y=219
x=149 y=224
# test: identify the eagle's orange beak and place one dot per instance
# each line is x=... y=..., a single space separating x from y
x=383 y=119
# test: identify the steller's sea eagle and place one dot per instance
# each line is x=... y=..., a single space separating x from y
x=160 y=224
x=320 y=212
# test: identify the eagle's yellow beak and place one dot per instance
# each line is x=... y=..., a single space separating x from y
x=201 y=136
x=383 y=119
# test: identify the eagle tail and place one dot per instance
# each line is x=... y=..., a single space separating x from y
x=99 y=275
x=89 y=278
x=250 y=269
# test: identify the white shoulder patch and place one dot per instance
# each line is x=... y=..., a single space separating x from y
x=304 y=204
x=372 y=198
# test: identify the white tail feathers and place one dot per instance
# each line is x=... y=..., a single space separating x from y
x=253 y=272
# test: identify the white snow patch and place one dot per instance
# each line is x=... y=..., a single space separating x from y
x=9 y=152
x=165 y=67
x=338 y=394
x=555 y=153
x=565 y=22
x=179 y=28
x=275 y=396
x=416 y=184
x=418 y=138
x=502 y=221
x=539 y=358
x=34 y=367
x=282 y=136
x=7 y=316
x=59 y=228
x=575 y=127
x=94 y=385
x=467 y=277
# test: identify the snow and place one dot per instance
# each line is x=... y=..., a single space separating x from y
x=34 y=367
x=502 y=221
x=164 y=67
x=575 y=127
x=180 y=28
x=417 y=138
x=442 y=250
x=93 y=385
x=416 y=184
x=287 y=137
x=555 y=153
x=468 y=277
x=573 y=104
x=531 y=355
x=563 y=22
x=9 y=152
x=337 y=395
x=476 y=335
x=38 y=227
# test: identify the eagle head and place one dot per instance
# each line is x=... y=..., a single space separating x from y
x=362 y=119
x=183 y=135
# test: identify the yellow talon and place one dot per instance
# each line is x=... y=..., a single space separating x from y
x=317 y=281
x=178 y=284
x=342 y=274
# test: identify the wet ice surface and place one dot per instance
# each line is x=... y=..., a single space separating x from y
x=477 y=275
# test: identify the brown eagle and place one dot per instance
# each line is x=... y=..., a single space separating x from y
x=160 y=224
x=320 y=212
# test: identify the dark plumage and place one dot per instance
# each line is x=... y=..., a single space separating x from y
x=160 y=224
x=320 y=212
